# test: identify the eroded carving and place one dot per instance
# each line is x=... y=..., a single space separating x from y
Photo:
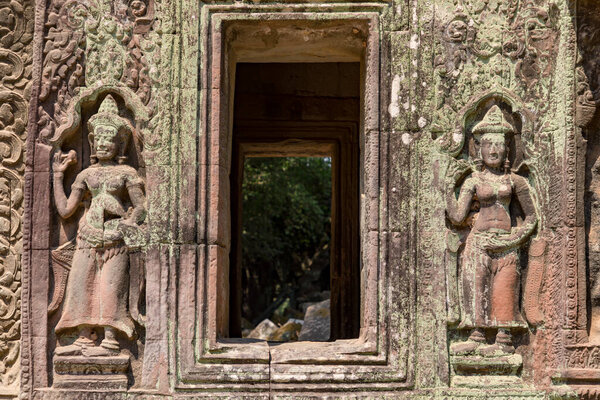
x=588 y=96
x=491 y=44
x=96 y=296
x=16 y=33
x=88 y=43
x=489 y=264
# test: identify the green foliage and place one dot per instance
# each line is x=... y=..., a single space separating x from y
x=286 y=225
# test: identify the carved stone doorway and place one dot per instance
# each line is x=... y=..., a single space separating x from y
x=303 y=110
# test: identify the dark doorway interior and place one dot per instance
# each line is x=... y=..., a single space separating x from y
x=294 y=195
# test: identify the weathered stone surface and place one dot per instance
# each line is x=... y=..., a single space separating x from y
x=16 y=65
x=264 y=330
x=317 y=323
x=288 y=331
x=85 y=373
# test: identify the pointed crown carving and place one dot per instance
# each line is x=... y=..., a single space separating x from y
x=493 y=125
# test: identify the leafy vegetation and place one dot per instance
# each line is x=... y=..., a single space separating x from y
x=285 y=234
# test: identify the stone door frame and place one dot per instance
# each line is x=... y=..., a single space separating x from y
x=210 y=363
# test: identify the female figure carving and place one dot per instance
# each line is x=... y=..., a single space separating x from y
x=97 y=287
x=489 y=265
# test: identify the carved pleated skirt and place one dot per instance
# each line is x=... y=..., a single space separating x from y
x=97 y=290
x=490 y=287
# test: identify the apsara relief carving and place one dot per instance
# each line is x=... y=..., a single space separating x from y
x=513 y=49
x=488 y=281
x=489 y=264
x=94 y=103
x=96 y=293
x=490 y=222
x=93 y=270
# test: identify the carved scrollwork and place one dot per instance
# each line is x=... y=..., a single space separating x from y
x=586 y=104
x=12 y=67
x=489 y=43
x=86 y=44
x=62 y=70
x=16 y=33
x=583 y=356
x=16 y=25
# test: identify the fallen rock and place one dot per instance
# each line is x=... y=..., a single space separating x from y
x=304 y=306
x=316 y=325
x=288 y=331
x=264 y=330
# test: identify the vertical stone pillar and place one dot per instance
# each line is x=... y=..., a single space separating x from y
x=16 y=33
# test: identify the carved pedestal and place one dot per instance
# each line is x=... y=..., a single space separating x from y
x=478 y=371
x=583 y=370
x=80 y=372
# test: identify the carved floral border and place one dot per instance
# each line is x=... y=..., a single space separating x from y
x=16 y=34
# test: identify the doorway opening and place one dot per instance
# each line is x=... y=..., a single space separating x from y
x=295 y=257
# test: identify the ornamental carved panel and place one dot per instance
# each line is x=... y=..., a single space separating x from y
x=16 y=34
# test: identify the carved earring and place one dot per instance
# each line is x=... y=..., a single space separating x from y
x=93 y=158
x=507 y=165
x=122 y=158
x=478 y=164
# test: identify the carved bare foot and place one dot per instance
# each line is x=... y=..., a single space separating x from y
x=70 y=350
x=503 y=345
x=475 y=340
x=99 y=351
x=496 y=349
x=108 y=347
x=464 y=348
x=75 y=349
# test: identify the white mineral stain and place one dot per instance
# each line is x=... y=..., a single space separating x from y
x=414 y=41
x=394 y=108
x=457 y=137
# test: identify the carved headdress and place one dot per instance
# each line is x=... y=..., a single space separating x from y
x=108 y=115
x=492 y=125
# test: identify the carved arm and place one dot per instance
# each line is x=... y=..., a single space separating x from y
x=458 y=210
x=138 y=200
x=65 y=206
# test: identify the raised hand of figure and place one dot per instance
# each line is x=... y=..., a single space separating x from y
x=61 y=161
x=456 y=170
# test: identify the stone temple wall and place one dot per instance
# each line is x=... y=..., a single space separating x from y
x=478 y=225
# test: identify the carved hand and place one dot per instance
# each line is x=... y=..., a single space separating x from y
x=496 y=242
x=62 y=161
x=112 y=237
x=456 y=170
